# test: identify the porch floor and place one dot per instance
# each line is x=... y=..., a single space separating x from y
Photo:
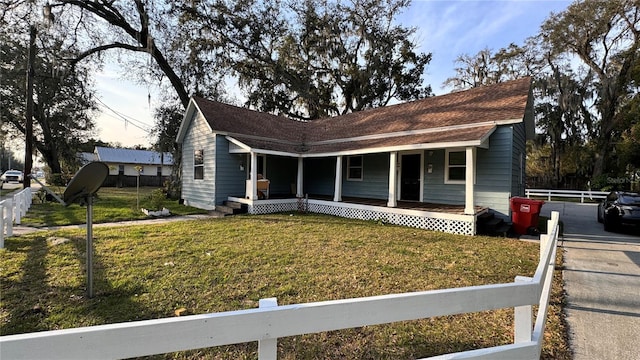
x=409 y=205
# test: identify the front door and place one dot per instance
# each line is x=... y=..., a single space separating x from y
x=410 y=177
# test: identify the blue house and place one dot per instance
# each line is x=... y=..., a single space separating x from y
x=437 y=163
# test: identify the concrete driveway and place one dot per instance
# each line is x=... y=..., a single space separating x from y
x=602 y=281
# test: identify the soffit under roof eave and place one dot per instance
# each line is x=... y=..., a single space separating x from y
x=483 y=143
x=427 y=146
x=246 y=149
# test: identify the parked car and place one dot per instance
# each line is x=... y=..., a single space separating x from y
x=619 y=209
x=12 y=175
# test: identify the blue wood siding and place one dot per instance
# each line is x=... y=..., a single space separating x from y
x=494 y=172
x=230 y=180
x=282 y=172
x=435 y=190
x=375 y=178
x=494 y=175
x=519 y=163
x=198 y=193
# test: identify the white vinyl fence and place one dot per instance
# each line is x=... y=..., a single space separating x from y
x=13 y=209
x=576 y=194
x=270 y=321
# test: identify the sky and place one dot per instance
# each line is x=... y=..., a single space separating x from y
x=445 y=28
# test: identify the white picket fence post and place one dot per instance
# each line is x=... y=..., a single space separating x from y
x=268 y=348
x=523 y=315
x=9 y=217
x=17 y=206
x=13 y=209
x=522 y=318
x=22 y=203
x=6 y=220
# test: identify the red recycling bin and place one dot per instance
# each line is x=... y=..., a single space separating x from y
x=525 y=213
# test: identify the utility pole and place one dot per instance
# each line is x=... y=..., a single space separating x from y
x=28 y=145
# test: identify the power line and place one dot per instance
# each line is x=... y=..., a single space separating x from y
x=129 y=122
x=126 y=118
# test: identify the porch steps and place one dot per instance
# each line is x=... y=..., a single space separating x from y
x=230 y=208
x=489 y=224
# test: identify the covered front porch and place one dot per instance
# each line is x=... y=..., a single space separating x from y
x=398 y=187
x=429 y=216
x=394 y=175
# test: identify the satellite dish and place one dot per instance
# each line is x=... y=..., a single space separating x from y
x=87 y=181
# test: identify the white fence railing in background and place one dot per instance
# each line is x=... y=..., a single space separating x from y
x=6 y=220
x=13 y=209
x=22 y=202
x=270 y=321
x=576 y=194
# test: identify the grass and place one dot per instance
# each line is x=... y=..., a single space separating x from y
x=111 y=205
x=147 y=272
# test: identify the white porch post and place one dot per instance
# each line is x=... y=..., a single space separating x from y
x=469 y=201
x=299 y=179
x=337 y=192
x=254 y=175
x=393 y=179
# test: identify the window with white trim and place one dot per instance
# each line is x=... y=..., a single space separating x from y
x=354 y=168
x=455 y=166
x=198 y=164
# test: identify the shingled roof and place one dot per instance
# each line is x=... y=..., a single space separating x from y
x=466 y=117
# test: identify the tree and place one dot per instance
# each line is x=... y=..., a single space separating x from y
x=312 y=59
x=145 y=36
x=486 y=67
x=628 y=148
x=96 y=26
x=604 y=35
x=561 y=110
x=62 y=99
x=168 y=118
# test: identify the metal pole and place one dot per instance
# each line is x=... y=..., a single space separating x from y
x=138 y=191
x=90 y=246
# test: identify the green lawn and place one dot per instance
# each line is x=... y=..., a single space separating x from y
x=148 y=272
x=111 y=204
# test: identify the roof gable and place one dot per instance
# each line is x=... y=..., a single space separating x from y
x=480 y=109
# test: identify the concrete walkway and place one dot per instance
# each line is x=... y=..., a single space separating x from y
x=602 y=282
x=21 y=230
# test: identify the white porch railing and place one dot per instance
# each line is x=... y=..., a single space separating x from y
x=270 y=322
x=13 y=209
x=577 y=194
